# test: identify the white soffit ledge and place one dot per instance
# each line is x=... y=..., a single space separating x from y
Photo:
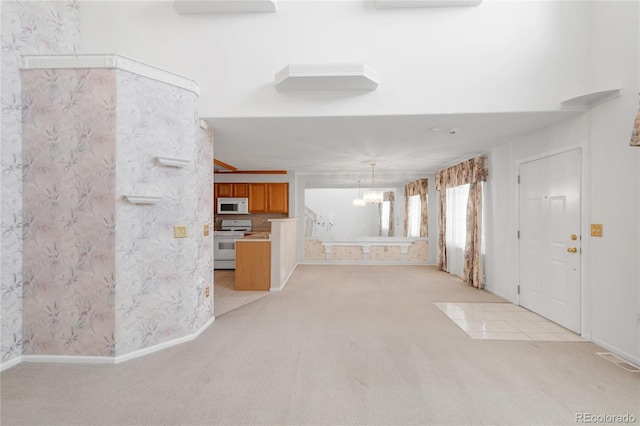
x=590 y=99
x=404 y=4
x=326 y=77
x=203 y=7
x=31 y=62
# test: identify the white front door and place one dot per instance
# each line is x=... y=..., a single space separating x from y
x=550 y=237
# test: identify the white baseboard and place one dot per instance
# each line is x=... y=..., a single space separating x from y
x=11 y=363
x=161 y=346
x=68 y=359
x=363 y=263
x=285 y=281
x=622 y=354
x=78 y=359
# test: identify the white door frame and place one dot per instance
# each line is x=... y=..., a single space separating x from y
x=585 y=183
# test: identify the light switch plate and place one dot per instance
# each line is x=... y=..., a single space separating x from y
x=206 y=292
x=180 y=231
x=206 y=230
x=596 y=230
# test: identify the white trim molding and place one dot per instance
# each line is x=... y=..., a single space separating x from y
x=68 y=359
x=31 y=62
x=286 y=280
x=11 y=363
x=590 y=100
x=165 y=345
x=73 y=359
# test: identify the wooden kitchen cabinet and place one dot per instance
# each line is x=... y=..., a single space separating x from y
x=240 y=190
x=269 y=198
x=253 y=265
x=236 y=190
x=263 y=197
x=257 y=198
x=278 y=198
x=223 y=190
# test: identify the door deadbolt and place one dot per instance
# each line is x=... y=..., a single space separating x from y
x=574 y=237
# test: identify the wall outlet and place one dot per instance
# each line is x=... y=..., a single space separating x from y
x=180 y=231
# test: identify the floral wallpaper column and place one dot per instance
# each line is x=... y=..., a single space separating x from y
x=68 y=167
x=635 y=132
x=161 y=279
x=27 y=28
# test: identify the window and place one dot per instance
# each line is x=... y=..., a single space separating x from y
x=414 y=214
x=456 y=230
x=384 y=218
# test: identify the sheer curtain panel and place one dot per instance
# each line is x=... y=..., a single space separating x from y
x=471 y=173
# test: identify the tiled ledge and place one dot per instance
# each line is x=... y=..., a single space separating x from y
x=367 y=250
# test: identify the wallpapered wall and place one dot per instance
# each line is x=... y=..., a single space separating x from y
x=160 y=292
x=69 y=169
x=27 y=28
x=104 y=277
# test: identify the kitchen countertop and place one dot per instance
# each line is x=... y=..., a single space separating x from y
x=256 y=236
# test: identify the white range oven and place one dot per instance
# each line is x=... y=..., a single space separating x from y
x=224 y=242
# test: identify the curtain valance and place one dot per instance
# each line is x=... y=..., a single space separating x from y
x=388 y=196
x=471 y=171
x=417 y=187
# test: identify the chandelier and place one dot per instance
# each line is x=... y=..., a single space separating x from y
x=359 y=202
x=373 y=196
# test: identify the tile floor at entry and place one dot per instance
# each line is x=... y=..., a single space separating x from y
x=225 y=298
x=504 y=321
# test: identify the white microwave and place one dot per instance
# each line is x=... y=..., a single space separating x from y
x=233 y=206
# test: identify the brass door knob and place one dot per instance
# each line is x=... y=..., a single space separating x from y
x=572 y=249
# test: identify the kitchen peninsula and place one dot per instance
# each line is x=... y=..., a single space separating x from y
x=253 y=263
x=265 y=261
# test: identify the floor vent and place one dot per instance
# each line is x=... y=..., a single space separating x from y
x=618 y=361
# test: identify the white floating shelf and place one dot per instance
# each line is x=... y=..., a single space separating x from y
x=143 y=199
x=200 y=7
x=326 y=77
x=172 y=162
x=590 y=99
x=405 y=4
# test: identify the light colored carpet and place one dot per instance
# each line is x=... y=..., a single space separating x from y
x=340 y=345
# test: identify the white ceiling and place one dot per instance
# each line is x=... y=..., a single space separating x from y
x=334 y=152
